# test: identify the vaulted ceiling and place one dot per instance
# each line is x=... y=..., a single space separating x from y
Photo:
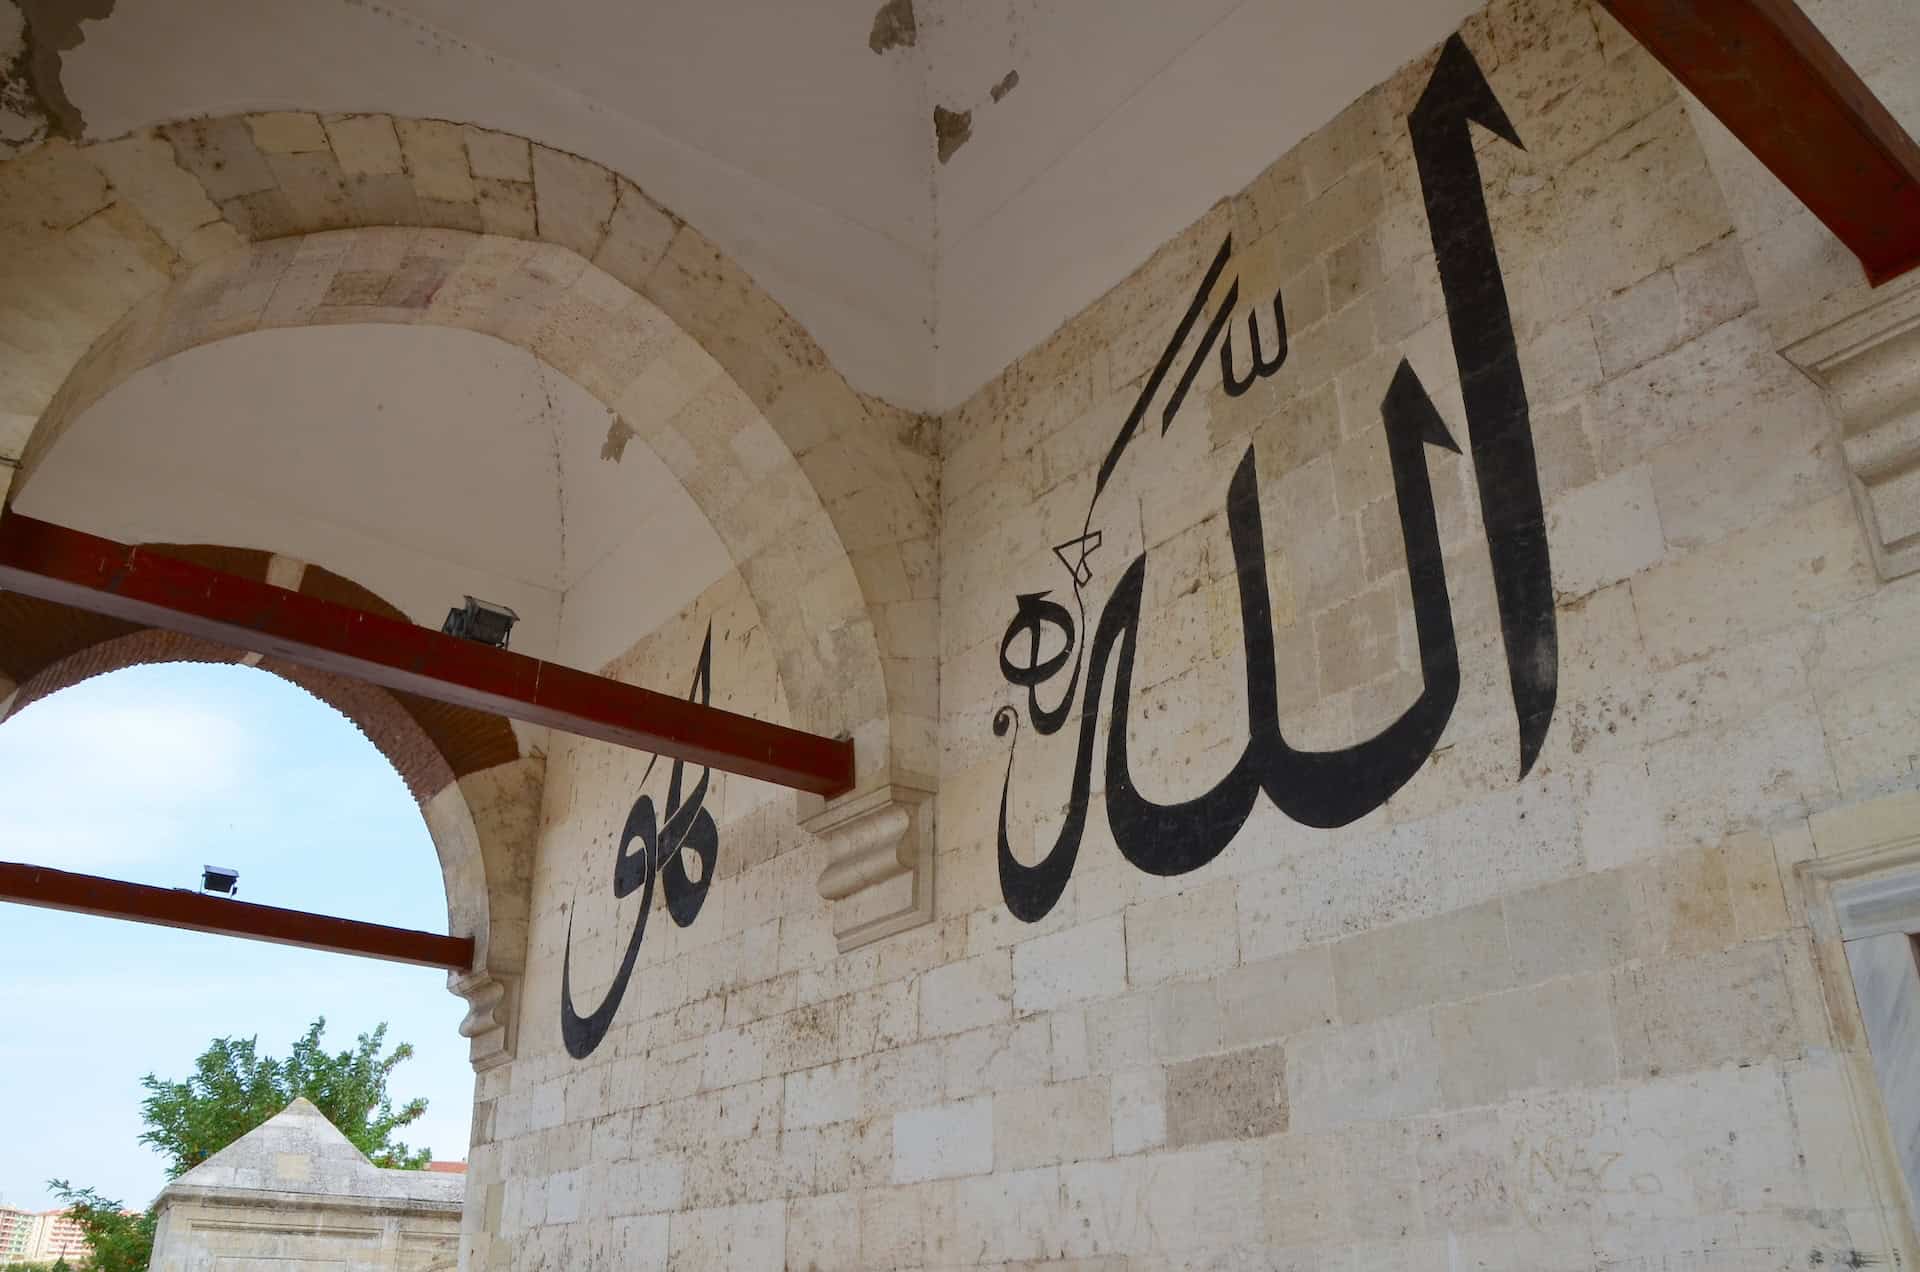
x=423 y=462
x=801 y=136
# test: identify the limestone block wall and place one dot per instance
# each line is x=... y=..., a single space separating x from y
x=1329 y=875
x=584 y=1143
x=291 y=1235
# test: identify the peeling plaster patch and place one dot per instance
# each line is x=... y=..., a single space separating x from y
x=951 y=129
x=893 y=27
x=53 y=27
x=1007 y=84
x=619 y=433
x=23 y=120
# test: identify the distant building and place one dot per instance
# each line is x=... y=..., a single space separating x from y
x=28 y=1236
x=16 y=1233
x=295 y=1192
x=57 y=1236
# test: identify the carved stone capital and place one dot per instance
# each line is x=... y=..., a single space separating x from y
x=486 y=1024
x=1869 y=363
x=879 y=873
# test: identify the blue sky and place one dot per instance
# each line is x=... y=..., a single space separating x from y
x=146 y=775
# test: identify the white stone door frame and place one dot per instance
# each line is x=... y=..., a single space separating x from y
x=1862 y=898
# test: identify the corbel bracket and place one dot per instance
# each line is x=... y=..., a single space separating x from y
x=879 y=873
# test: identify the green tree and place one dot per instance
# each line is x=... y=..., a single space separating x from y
x=235 y=1088
x=120 y=1241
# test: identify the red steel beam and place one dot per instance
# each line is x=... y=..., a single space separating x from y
x=1765 y=70
x=54 y=563
x=180 y=908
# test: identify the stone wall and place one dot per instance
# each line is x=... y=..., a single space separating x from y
x=1522 y=977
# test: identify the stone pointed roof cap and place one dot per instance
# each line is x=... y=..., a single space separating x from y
x=298 y=1156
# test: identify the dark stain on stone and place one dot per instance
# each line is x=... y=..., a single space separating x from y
x=1007 y=84
x=893 y=27
x=23 y=116
x=619 y=433
x=951 y=129
x=53 y=27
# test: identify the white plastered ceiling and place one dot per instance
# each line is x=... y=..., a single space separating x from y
x=779 y=131
x=425 y=463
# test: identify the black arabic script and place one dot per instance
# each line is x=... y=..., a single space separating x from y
x=1046 y=639
x=651 y=847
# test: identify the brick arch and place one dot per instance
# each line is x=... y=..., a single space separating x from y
x=46 y=647
x=468 y=741
x=375 y=712
x=127 y=250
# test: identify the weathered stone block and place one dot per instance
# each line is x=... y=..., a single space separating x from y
x=315 y=191
x=1680 y=1014
x=727 y=1237
x=1684 y=901
x=222 y=155
x=1304 y=1191
x=575 y=198
x=823 y=1232
x=1554 y=1035
x=944 y=1141
x=1085 y=962
x=436 y=158
x=1238 y=1095
x=1390 y=969
x=994 y=1059
x=498 y=156
x=1744 y=471
x=1753 y=581
x=365 y=145
x=1348 y=1073
x=1188 y=1020
x=287 y=132
x=966 y=995
x=637 y=236
x=1139 y=1109
x=1192 y=934
x=1041 y=1126
x=816 y=1097
x=506 y=207
x=1607 y=531
x=1359 y=640
x=1271 y=999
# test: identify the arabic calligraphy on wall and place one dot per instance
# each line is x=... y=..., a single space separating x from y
x=652 y=847
x=1046 y=638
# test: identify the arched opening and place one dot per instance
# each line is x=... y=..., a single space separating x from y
x=824 y=499
x=463 y=768
x=147 y=773
x=397 y=467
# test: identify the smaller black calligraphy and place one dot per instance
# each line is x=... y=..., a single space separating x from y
x=652 y=846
